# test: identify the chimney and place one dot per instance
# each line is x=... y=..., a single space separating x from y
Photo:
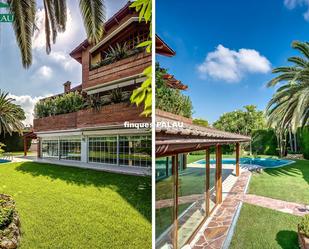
x=67 y=87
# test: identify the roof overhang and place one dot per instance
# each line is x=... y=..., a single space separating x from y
x=176 y=134
x=114 y=33
x=163 y=49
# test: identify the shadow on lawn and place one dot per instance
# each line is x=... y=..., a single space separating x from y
x=299 y=168
x=134 y=189
x=287 y=239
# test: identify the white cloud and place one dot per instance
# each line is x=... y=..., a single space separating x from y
x=63 y=59
x=44 y=73
x=292 y=4
x=27 y=103
x=231 y=66
x=63 y=39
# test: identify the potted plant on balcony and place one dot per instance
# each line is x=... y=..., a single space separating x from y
x=303 y=232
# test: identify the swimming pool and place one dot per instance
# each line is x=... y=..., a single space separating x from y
x=264 y=162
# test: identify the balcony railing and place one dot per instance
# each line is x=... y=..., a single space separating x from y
x=127 y=67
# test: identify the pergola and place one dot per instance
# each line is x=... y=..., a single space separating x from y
x=27 y=136
x=177 y=135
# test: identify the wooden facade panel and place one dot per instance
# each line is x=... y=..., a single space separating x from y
x=107 y=71
x=130 y=71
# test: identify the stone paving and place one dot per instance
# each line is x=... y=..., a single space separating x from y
x=217 y=229
x=282 y=206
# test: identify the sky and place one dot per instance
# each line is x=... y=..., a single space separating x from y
x=48 y=72
x=225 y=50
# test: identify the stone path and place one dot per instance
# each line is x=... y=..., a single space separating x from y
x=282 y=206
x=216 y=232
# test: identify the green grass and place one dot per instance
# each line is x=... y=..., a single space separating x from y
x=64 y=207
x=191 y=181
x=289 y=183
x=262 y=228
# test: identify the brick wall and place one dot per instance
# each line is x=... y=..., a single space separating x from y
x=59 y=122
x=107 y=115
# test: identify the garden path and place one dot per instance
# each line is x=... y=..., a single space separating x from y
x=278 y=205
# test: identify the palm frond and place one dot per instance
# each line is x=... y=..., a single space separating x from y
x=93 y=12
x=23 y=23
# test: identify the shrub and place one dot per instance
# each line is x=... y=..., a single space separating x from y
x=14 y=142
x=66 y=103
x=264 y=142
x=170 y=99
x=7 y=208
x=304 y=225
x=304 y=141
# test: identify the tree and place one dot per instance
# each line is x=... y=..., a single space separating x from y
x=288 y=108
x=200 y=121
x=169 y=99
x=143 y=94
x=93 y=13
x=241 y=121
x=11 y=115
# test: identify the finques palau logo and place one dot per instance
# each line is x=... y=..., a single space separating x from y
x=5 y=17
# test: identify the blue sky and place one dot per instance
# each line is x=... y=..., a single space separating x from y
x=225 y=50
x=48 y=72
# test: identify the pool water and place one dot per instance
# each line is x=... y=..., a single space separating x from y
x=264 y=162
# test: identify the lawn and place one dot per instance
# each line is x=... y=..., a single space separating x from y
x=261 y=228
x=64 y=207
x=289 y=183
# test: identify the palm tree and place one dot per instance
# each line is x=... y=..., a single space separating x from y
x=11 y=115
x=289 y=107
x=93 y=13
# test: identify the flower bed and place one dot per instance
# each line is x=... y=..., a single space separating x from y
x=303 y=233
x=9 y=223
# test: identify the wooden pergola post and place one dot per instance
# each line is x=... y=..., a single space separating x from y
x=237 y=159
x=207 y=191
x=25 y=146
x=175 y=200
x=218 y=174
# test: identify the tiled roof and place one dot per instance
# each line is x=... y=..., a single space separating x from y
x=176 y=134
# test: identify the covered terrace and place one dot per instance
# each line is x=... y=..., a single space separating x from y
x=187 y=194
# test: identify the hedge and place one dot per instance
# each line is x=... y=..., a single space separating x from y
x=303 y=136
x=14 y=143
x=264 y=142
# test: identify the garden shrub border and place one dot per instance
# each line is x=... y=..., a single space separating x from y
x=10 y=234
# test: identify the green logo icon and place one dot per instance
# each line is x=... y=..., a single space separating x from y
x=7 y=17
x=4 y=5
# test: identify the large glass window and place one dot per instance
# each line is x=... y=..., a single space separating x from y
x=103 y=149
x=70 y=149
x=135 y=150
x=50 y=148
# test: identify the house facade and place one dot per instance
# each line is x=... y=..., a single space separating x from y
x=101 y=133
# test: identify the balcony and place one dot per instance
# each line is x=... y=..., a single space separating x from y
x=113 y=114
x=120 y=69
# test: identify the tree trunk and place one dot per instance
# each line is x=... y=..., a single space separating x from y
x=291 y=140
x=295 y=142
